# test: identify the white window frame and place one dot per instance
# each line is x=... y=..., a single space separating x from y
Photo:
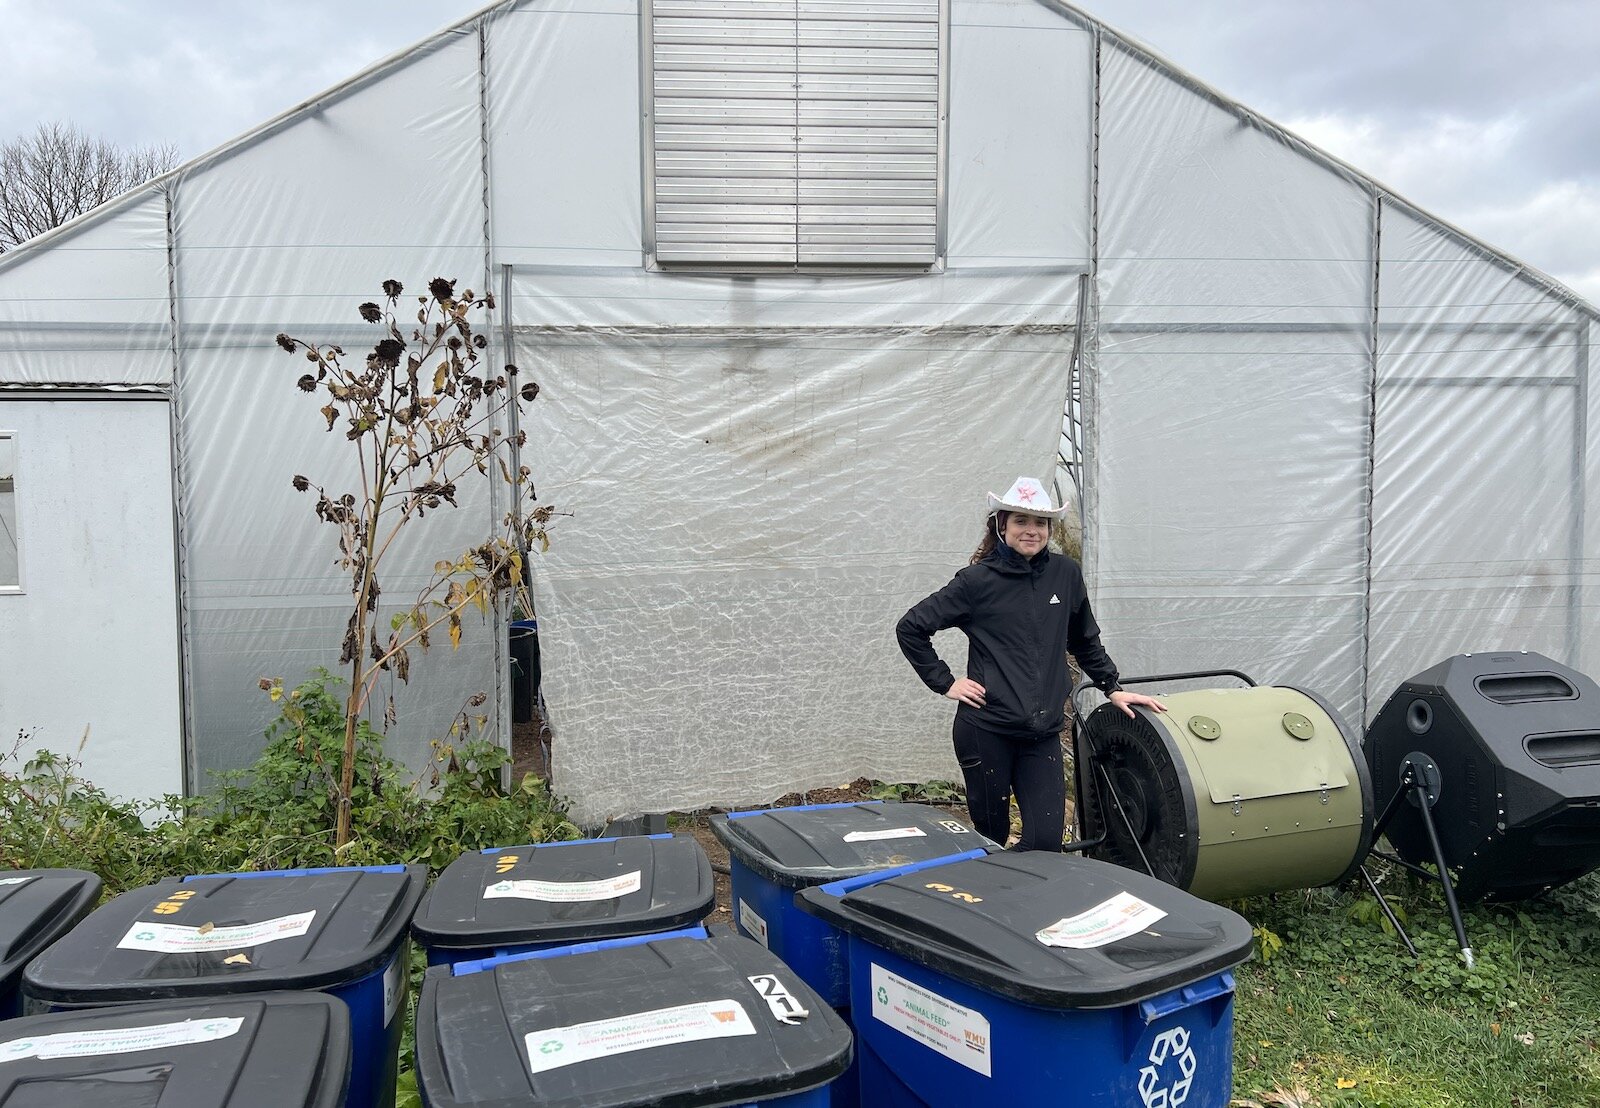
x=20 y=586
x=648 y=174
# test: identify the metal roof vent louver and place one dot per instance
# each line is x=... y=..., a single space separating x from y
x=794 y=134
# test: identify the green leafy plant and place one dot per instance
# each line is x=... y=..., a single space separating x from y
x=930 y=792
x=51 y=817
x=281 y=812
x=1343 y=1011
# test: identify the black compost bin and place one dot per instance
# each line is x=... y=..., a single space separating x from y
x=1507 y=748
x=524 y=636
x=681 y=1019
x=37 y=907
x=341 y=931
x=508 y=899
x=269 y=1050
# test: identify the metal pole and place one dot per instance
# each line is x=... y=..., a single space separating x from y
x=1444 y=879
x=1375 y=244
x=1126 y=822
x=1388 y=912
x=190 y=755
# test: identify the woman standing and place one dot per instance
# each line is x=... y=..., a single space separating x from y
x=1023 y=610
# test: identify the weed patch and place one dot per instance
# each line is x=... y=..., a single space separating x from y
x=1335 y=1012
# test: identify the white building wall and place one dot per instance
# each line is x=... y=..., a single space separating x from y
x=89 y=645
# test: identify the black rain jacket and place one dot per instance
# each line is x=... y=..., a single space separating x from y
x=1021 y=618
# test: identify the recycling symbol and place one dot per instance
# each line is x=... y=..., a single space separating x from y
x=1158 y=1087
x=145 y=936
x=550 y=1046
x=883 y=995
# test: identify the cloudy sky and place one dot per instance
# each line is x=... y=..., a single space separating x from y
x=1486 y=112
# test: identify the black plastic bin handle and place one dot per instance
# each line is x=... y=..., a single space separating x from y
x=1158 y=678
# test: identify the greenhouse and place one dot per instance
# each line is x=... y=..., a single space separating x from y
x=800 y=280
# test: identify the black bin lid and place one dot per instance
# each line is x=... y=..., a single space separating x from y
x=1114 y=936
x=37 y=907
x=291 y=929
x=797 y=847
x=688 y=1021
x=269 y=1050
x=566 y=892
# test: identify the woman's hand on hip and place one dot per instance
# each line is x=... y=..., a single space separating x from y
x=966 y=690
x=1127 y=701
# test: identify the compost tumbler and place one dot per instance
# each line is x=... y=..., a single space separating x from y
x=1231 y=792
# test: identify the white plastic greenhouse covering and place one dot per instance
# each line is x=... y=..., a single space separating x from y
x=1326 y=439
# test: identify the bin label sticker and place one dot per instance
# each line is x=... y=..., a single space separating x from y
x=1105 y=923
x=16 y=880
x=958 y=1033
x=955 y=827
x=1166 y=1081
x=785 y=1008
x=888 y=833
x=170 y=938
x=394 y=989
x=119 y=1040
x=567 y=892
x=685 y=1023
x=752 y=924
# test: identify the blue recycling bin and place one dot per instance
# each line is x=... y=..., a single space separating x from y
x=683 y=1018
x=510 y=899
x=37 y=907
x=775 y=852
x=342 y=931
x=265 y=1050
x=1036 y=979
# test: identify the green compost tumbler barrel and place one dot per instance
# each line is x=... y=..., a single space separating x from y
x=1229 y=793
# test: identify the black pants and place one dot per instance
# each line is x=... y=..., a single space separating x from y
x=995 y=766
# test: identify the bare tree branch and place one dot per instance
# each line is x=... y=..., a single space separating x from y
x=58 y=173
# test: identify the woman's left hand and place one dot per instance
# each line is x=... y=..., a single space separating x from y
x=1127 y=701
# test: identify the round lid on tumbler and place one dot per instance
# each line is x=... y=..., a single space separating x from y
x=37 y=907
x=269 y=1050
x=684 y=1020
x=797 y=847
x=230 y=933
x=566 y=892
x=1052 y=930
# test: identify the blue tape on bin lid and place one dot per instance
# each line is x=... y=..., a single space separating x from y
x=37 y=907
x=196 y=936
x=680 y=1021
x=796 y=847
x=1052 y=930
x=268 y=1050
x=566 y=892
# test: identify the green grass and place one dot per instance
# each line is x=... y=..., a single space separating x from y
x=1341 y=1003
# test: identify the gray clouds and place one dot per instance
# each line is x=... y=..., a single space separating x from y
x=1482 y=111
x=186 y=71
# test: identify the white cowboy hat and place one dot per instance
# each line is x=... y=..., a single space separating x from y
x=1025 y=495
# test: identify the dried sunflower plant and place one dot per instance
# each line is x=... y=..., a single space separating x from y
x=423 y=416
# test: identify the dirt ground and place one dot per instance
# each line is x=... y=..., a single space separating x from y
x=530 y=749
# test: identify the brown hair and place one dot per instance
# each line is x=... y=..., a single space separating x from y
x=993 y=525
